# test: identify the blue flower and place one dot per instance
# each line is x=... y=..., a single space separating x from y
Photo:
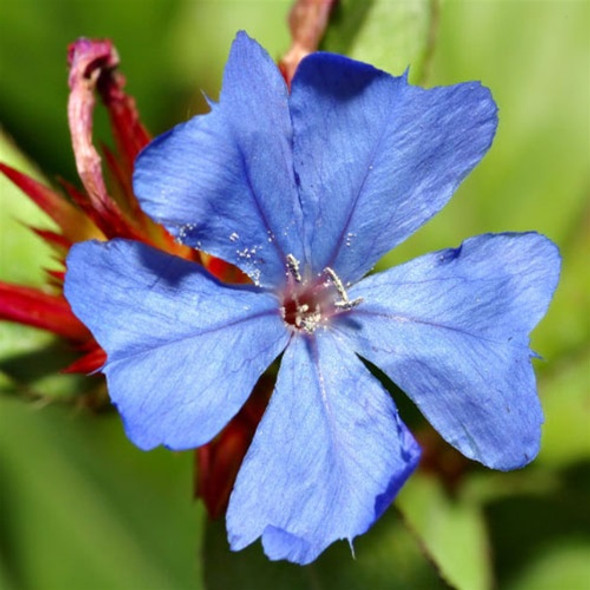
x=305 y=191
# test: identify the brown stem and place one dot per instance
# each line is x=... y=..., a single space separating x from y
x=308 y=20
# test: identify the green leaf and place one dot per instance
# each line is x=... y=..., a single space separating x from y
x=198 y=51
x=31 y=366
x=385 y=558
x=566 y=402
x=535 y=534
x=23 y=255
x=567 y=329
x=452 y=532
x=563 y=566
x=486 y=486
x=389 y=35
x=83 y=508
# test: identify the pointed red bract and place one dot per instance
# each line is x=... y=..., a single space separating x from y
x=219 y=461
x=124 y=188
x=73 y=224
x=91 y=362
x=33 y=307
x=129 y=133
x=58 y=242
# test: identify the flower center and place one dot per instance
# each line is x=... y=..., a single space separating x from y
x=308 y=304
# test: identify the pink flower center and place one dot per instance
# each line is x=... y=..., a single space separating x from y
x=309 y=304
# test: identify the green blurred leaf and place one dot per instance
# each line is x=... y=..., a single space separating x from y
x=388 y=35
x=536 y=174
x=451 y=531
x=527 y=529
x=567 y=331
x=23 y=255
x=385 y=558
x=487 y=486
x=37 y=373
x=201 y=34
x=83 y=508
x=564 y=566
x=566 y=403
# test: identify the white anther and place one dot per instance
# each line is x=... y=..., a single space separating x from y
x=345 y=303
x=293 y=267
x=308 y=321
x=348 y=305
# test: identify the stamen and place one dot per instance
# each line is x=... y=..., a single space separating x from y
x=345 y=303
x=293 y=267
x=307 y=321
x=308 y=305
x=348 y=305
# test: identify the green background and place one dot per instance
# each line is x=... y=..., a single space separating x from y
x=80 y=507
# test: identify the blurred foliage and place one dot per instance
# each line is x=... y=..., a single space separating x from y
x=81 y=508
x=386 y=559
x=452 y=531
x=389 y=35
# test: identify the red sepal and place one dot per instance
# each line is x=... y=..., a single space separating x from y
x=88 y=61
x=129 y=133
x=57 y=241
x=72 y=222
x=89 y=363
x=218 y=462
x=224 y=271
x=26 y=305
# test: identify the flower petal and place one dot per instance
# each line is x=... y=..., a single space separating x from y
x=452 y=330
x=184 y=351
x=224 y=182
x=328 y=457
x=377 y=157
